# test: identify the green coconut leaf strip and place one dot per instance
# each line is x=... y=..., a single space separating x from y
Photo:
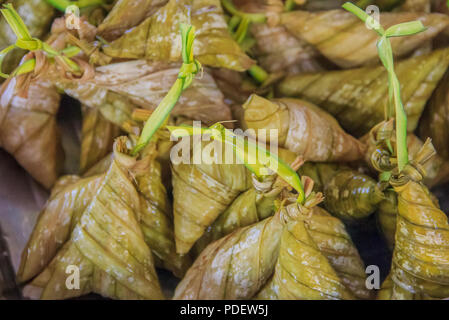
x=248 y=152
x=187 y=72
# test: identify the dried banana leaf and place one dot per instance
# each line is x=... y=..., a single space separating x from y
x=127 y=14
x=69 y=199
x=387 y=213
x=235 y=88
x=251 y=206
x=348 y=194
x=389 y=291
x=302 y=128
x=416 y=6
x=201 y=192
x=342 y=38
x=235 y=266
x=386 y=217
x=37 y=16
x=156 y=216
x=107 y=243
x=98 y=135
x=155 y=37
x=157 y=219
x=420 y=263
x=118 y=87
x=435 y=120
x=277 y=50
x=351 y=195
x=28 y=129
x=357 y=97
x=317 y=260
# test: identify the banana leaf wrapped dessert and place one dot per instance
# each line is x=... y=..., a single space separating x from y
x=235 y=266
x=37 y=16
x=210 y=187
x=387 y=213
x=351 y=195
x=277 y=50
x=357 y=97
x=342 y=38
x=155 y=37
x=390 y=290
x=144 y=83
x=302 y=128
x=274 y=47
x=421 y=256
x=127 y=14
x=317 y=259
x=98 y=135
x=36 y=145
x=239 y=264
x=348 y=194
x=251 y=206
x=435 y=119
x=70 y=198
x=105 y=242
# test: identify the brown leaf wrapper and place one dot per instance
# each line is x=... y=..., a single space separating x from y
x=28 y=129
x=157 y=37
x=358 y=97
x=116 y=89
x=435 y=118
x=277 y=50
x=421 y=255
x=125 y=15
x=106 y=242
x=351 y=195
x=251 y=206
x=201 y=192
x=317 y=260
x=302 y=128
x=342 y=38
x=97 y=138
